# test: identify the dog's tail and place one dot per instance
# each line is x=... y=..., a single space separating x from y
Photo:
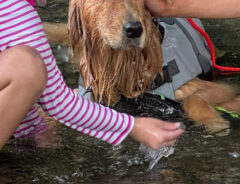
x=56 y=32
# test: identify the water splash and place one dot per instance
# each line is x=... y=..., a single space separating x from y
x=153 y=156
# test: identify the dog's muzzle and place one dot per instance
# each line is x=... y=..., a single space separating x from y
x=133 y=29
x=132 y=34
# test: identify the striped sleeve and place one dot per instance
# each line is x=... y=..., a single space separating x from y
x=21 y=25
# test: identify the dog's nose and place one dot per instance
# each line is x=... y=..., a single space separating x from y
x=133 y=29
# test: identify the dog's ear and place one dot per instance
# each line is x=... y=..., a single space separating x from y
x=74 y=22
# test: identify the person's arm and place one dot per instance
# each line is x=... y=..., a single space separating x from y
x=194 y=8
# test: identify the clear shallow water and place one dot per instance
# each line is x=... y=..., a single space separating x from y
x=197 y=158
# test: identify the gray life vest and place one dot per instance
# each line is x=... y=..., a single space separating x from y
x=185 y=55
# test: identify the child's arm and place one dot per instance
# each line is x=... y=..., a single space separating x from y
x=194 y=8
x=93 y=119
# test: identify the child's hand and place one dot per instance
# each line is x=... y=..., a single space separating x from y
x=155 y=133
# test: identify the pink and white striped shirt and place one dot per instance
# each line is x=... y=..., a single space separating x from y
x=21 y=25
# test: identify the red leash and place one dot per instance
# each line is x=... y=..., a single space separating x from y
x=212 y=50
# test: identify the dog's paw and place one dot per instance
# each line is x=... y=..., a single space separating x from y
x=219 y=127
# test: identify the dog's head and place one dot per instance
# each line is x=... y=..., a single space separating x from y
x=118 y=23
x=120 y=46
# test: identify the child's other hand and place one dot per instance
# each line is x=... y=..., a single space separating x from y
x=155 y=133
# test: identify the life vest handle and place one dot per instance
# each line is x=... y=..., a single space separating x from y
x=212 y=50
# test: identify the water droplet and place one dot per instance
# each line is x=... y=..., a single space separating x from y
x=234 y=154
x=35 y=179
x=76 y=174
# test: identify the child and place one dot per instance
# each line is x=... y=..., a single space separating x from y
x=25 y=59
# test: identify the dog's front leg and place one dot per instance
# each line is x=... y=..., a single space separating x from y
x=233 y=105
x=198 y=109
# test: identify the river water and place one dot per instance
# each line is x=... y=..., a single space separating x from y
x=198 y=157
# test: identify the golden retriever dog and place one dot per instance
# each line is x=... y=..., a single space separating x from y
x=118 y=49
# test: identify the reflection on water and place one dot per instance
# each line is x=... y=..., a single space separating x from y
x=197 y=157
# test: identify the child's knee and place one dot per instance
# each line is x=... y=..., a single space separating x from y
x=35 y=67
x=26 y=67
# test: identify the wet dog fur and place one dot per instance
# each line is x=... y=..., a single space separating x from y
x=114 y=64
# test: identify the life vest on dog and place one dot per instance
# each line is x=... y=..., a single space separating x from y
x=185 y=55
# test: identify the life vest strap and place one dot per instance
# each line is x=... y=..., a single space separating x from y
x=169 y=71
